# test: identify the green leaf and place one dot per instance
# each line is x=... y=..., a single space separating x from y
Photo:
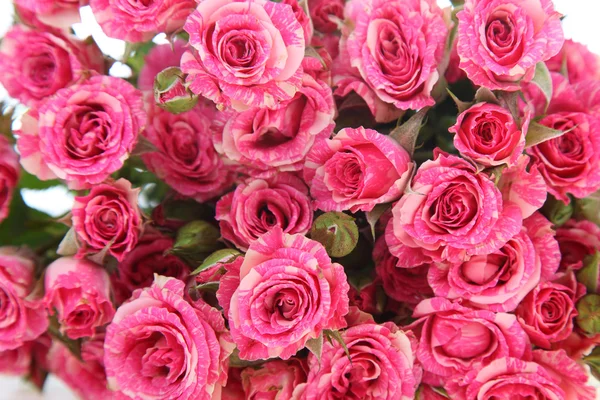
x=538 y=133
x=407 y=133
x=74 y=346
x=208 y=287
x=543 y=80
x=593 y=360
x=485 y=95
x=236 y=362
x=222 y=256
x=374 y=215
x=29 y=181
x=461 y=105
x=315 y=346
x=337 y=336
x=135 y=55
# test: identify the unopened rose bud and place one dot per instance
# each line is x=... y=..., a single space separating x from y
x=557 y=211
x=589 y=317
x=170 y=92
x=589 y=208
x=337 y=232
x=588 y=275
x=197 y=236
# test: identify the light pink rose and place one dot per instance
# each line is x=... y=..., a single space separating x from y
x=84 y=133
x=136 y=21
x=381 y=365
x=186 y=159
x=500 y=42
x=221 y=69
x=397 y=47
x=523 y=184
x=588 y=92
x=34 y=64
x=9 y=175
x=28 y=360
x=273 y=380
x=324 y=13
x=501 y=279
x=78 y=293
x=488 y=134
x=356 y=170
x=108 y=218
x=303 y=19
x=319 y=64
x=290 y=290
x=56 y=13
x=572 y=376
x=579 y=63
x=163 y=345
x=159 y=58
x=577 y=239
x=452 y=213
x=85 y=376
x=258 y=205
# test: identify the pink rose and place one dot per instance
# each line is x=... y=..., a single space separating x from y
x=56 y=13
x=572 y=376
x=319 y=64
x=455 y=339
x=78 y=292
x=579 y=63
x=290 y=290
x=259 y=205
x=108 y=218
x=84 y=133
x=159 y=58
x=547 y=312
x=356 y=170
x=147 y=258
x=279 y=139
x=220 y=68
x=136 y=21
x=523 y=184
x=186 y=159
x=274 y=379
x=500 y=42
x=452 y=213
x=162 y=345
x=324 y=13
x=34 y=65
x=9 y=175
x=365 y=298
x=28 y=360
x=302 y=18
x=381 y=365
x=397 y=47
x=577 y=239
x=453 y=72
x=501 y=279
x=233 y=390
x=488 y=134
x=589 y=93
x=85 y=376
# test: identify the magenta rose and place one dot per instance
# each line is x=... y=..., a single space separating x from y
x=290 y=290
x=159 y=58
x=84 y=133
x=85 y=376
x=34 y=65
x=397 y=47
x=246 y=54
x=501 y=279
x=381 y=365
x=78 y=293
x=572 y=376
x=56 y=13
x=325 y=13
x=452 y=213
x=185 y=158
x=579 y=63
x=163 y=345
x=259 y=205
x=500 y=42
x=108 y=218
x=279 y=139
x=22 y=315
x=488 y=134
x=547 y=312
x=356 y=170
x=9 y=175
x=273 y=380
x=135 y=21
x=577 y=239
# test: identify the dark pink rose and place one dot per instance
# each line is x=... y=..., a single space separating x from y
x=381 y=365
x=78 y=293
x=577 y=61
x=34 y=65
x=9 y=175
x=325 y=13
x=108 y=218
x=365 y=298
x=234 y=389
x=500 y=42
x=163 y=345
x=159 y=58
x=452 y=213
x=356 y=170
x=258 y=205
x=303 y=19
x=577 y=239
x=572 y=376
x=453 y=72
x=274 y=379
x=56 y=13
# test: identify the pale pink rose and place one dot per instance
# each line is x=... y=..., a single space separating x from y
x=381 y=366
x=136 y=21
x=279 y=139
x=34 y=64
x=84 y=133
x=397 y=47
x=220 y=68
x=273 y=380
x=577 y=61
x=163 y=345
x=588 y=92
x=501 y=279
x=319 y=64
x=56 y=13
x=356 y=170
x=258 y=205
x=523 y=184
x=488 y=134
x=186 y=159
x=108 y=218
x=547 y=312
x=9 y=175
x=290 y=290
x=506 y=378
x=78 y=293
x=577 y=239
x=452 y=213
x=500 y=42
x=23 y=316
x=159 y=58
x=572 y=376
x=28 y=360
x=85 y=376
x=455 y=339
x=324 y=13
x=303 y=19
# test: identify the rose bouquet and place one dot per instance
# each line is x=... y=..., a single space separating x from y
x=314 y=199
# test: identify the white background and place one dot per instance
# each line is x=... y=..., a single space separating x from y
x=581 y=23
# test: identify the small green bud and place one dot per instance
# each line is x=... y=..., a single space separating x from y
x=589 y=208
x=556 y=211
x=337 y=232
x=170 y=92
x=588 y=275
x=589 y=314
x=197 y=237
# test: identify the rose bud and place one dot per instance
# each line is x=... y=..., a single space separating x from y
x=589 y=208
x=9 y=175
x=337 y=232
x=170 y=92
x=588 y=275
x=557 y=211
x=577 y=240
x=588 y=319
x=274 y=379
x=195 y=240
